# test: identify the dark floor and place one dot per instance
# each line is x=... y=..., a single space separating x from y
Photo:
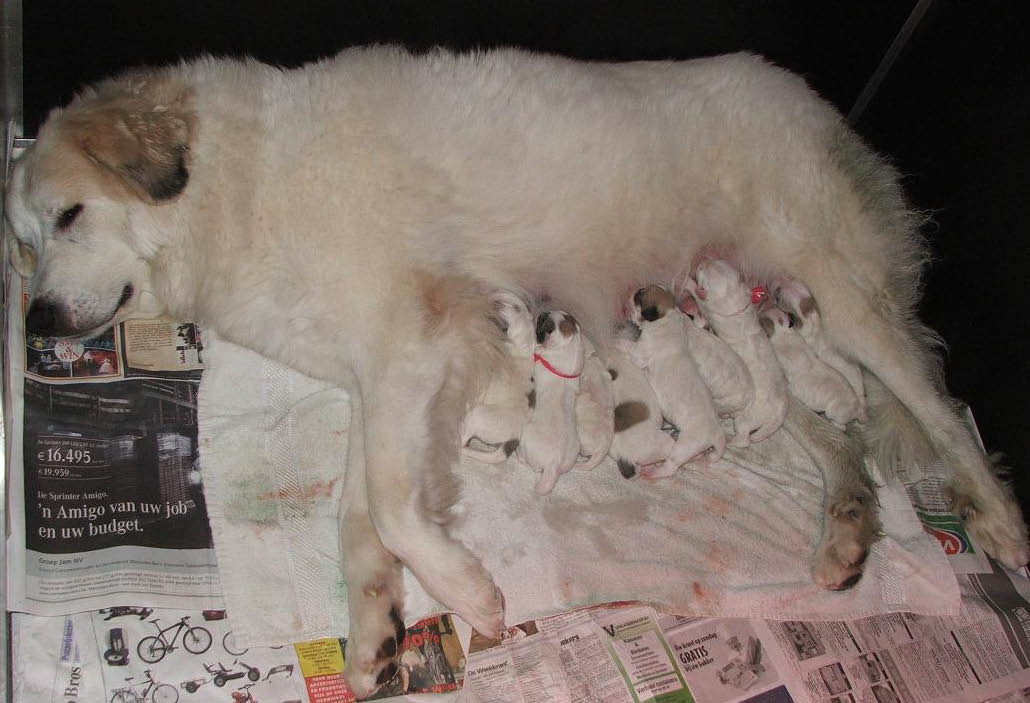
x=953 y=112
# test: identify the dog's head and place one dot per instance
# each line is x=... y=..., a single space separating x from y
x=76 y=201
x=720 y=287
x=559 y=341
x=651 y=303
x=515 y=319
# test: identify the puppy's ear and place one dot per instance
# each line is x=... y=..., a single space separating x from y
x=768 y=326
x=142 y=141
x=651 y=313
x=568 y=326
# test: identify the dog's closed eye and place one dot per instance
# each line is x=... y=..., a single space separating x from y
x=68 y=215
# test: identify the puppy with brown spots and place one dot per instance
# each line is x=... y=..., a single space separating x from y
x=794 y=297
x=682 y=395
x=550 y=441
x=726 y=301
x=810 y=379
x=639 y=445
x=490 y=431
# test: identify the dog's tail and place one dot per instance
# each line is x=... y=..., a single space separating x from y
x=891 y=434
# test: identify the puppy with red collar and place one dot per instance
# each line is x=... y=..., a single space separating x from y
x=550 y=441
x=491 y=429
x=809 y=379
x=725 y=373
x=727 y=303
x=682 y=395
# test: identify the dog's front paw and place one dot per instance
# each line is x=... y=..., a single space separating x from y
x=373 y=647
x=995 y=523
x=851 y=526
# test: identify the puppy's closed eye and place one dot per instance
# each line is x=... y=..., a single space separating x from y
x=68 y=215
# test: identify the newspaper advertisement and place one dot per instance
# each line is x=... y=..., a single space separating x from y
x=134 y=654
x=106 y=494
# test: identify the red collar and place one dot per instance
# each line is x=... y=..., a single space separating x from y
x=547 y=365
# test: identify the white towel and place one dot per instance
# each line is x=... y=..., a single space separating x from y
x=732 y=539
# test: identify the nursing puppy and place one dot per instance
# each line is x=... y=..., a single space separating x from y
x=594 y=408
x=683 y=397
x=809 y=379
x=793 y=296
x=497 y=420
x=549 y=442
x=350 y=217
x=726 y=301
x=638 y=444
x=725 y=373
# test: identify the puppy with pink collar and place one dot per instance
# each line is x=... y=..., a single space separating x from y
x=682 y=395
x=550 y=441
x=726 y=301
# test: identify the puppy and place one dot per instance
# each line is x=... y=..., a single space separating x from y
x=809 y=379
x=725 y=373
x=638 y=443
x=792 y=295
x=683 y=397
x=594 y=408
x=549 y=442
x=726 y=301
x=497 y=420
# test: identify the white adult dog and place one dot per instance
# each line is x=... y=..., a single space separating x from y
x=550 y=441
x=350 y=217
x=682 y=395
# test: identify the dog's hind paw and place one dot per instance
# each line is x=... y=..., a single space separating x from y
x=995 y=523
x=851 y=526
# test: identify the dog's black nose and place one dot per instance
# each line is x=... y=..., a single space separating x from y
x=544 y=326
x=42 y=318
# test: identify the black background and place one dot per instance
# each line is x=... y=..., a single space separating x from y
x=953 y=112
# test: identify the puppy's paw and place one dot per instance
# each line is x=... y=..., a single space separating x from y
x=994 y=520
x=851 y=526
x=373 y=647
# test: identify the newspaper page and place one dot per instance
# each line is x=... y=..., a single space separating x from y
x=134 y=654
x=106 y=496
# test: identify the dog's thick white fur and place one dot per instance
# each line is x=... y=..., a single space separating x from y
x=682 y=395
x=809 y=379
x=725 y=299
x=349 y=218
x=594 y=409
x=499 y=416
x=550 y=441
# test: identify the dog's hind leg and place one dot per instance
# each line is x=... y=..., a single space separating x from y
x=850 y=520
x=375 y=590
x=898 y=356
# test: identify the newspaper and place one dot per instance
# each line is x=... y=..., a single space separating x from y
x=105 y=495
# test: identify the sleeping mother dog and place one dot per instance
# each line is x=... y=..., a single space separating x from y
x=351 y=218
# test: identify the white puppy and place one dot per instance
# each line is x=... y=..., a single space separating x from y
x=639 y=442
x=549 y=442
x=683 y=397
x=726 y=301
x=792 y=295
x=810 y=379
x=725 y=373
x=594 y=408
x=497 y=420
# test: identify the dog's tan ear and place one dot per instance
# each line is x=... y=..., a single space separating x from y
x=22 y=257
x=146 y=145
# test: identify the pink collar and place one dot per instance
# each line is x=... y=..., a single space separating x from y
x=547 y=365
